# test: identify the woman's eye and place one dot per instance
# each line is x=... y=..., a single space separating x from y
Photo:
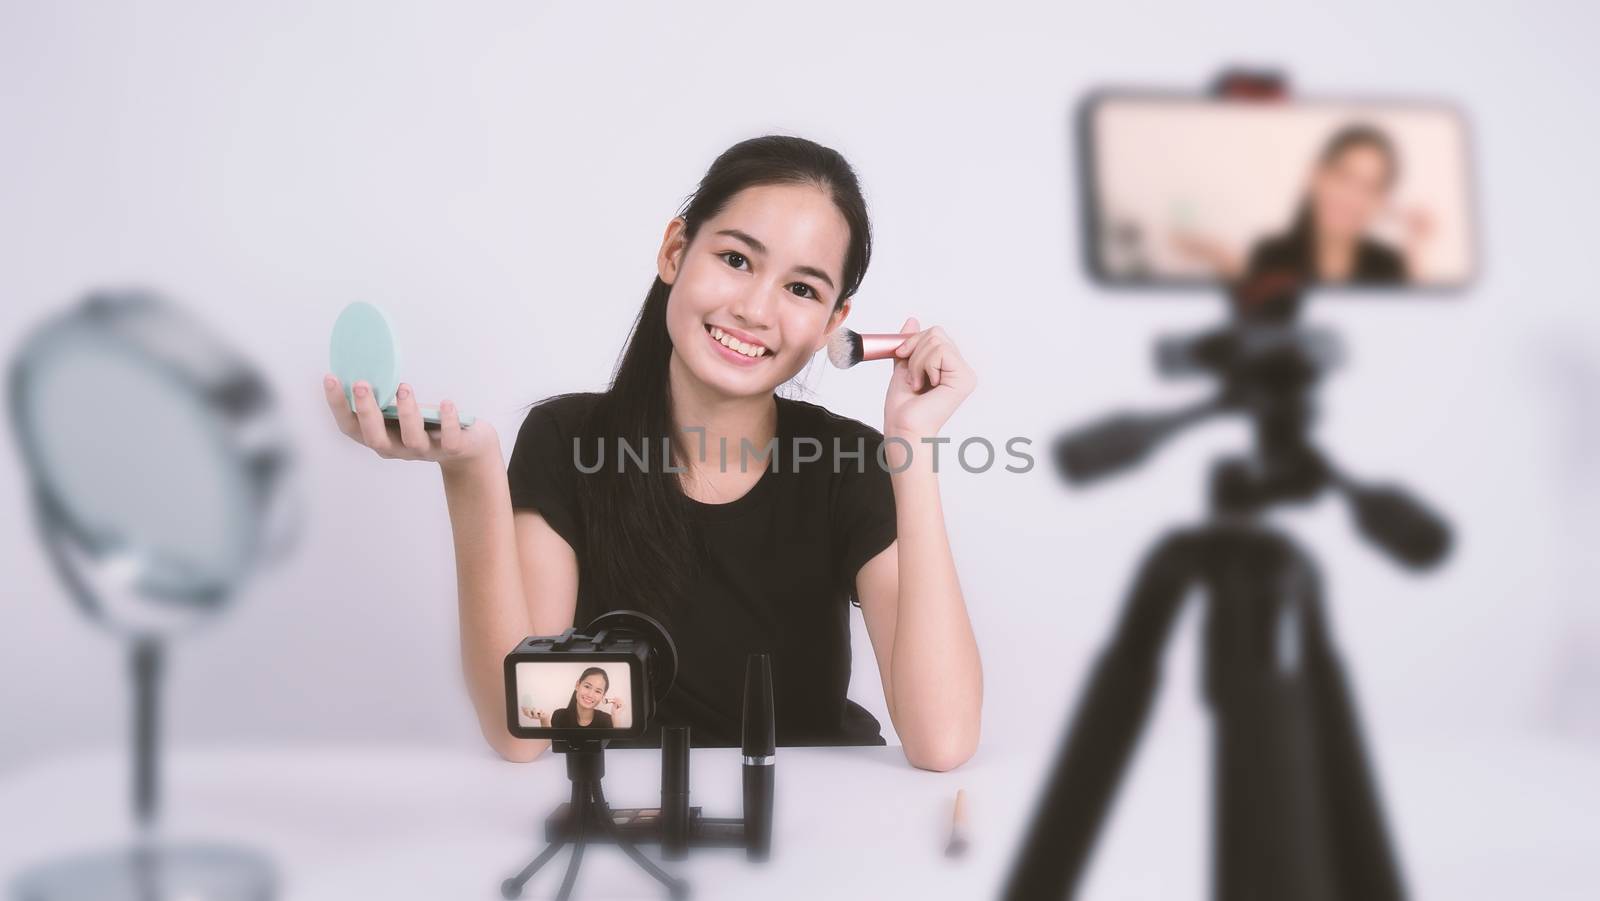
x=734 y=258
x=803 y=290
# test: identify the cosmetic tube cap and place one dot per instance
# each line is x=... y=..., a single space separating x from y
x=760 y=724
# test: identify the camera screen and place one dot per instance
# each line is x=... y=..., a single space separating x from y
x=556 y=694
x=1197 y=191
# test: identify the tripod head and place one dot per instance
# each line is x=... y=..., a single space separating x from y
x=1267 y=366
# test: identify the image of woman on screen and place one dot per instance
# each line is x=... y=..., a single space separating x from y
x=583 y=709
x=1329 y=239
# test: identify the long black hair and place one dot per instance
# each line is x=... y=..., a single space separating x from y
x=572 y=702
x=1302 y=235
x=641 y=551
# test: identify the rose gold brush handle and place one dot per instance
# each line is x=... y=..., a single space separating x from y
x=880 y=347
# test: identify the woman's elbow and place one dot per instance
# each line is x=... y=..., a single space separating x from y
x=943 y=755
x=518 y=750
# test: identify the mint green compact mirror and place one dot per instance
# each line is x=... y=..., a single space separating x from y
x=364 y=348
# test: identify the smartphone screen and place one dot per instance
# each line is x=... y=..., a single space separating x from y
x=1193 y=191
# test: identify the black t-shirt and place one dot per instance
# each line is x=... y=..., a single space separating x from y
x=779 y=576
x=1375 y=263
x=564 y=718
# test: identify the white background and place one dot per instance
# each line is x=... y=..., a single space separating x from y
x=498 y=176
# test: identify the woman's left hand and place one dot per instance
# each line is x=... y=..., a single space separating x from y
x=930 y=381
x=616 y=705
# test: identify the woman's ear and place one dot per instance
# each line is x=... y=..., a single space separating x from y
x=835 y=319
x=670 y=258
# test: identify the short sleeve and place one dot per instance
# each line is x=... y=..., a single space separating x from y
x=863 y=508
x=543 y=475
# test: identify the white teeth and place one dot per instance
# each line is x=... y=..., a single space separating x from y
x=732 y=343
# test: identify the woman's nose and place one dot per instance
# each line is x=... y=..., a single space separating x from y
x=753 y=306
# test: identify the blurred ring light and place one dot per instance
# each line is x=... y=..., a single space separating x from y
x=161 y=480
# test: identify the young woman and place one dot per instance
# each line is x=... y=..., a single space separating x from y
x=583 y=709
x=761 y=553
x=1329 y=239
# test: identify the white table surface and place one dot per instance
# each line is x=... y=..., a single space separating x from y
x=369 y=822
x=1474 y=820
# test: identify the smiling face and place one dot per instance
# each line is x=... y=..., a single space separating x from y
x=1349 y=190
x=591 y=690
x=754 y=295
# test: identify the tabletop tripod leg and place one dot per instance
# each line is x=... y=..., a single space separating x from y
x=512 y=888
x=582 y=811
x=677 y=887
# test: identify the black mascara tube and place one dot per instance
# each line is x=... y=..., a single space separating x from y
x=759 y=747
x=675 y=792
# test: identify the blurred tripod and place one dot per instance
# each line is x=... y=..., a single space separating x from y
x=589 y=815
x=1295 y=809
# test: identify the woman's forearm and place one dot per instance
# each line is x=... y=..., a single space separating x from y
x=935 y=673
x=493 y=608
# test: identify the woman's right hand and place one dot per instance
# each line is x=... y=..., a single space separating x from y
x=449 y=445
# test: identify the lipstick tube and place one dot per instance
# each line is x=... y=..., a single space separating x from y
x=675 y=792
x=759 y=748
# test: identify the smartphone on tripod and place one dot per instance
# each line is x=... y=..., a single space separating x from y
x=1264 y=200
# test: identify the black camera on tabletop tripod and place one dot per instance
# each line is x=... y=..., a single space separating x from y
x=581 y=690
x=1296 y=809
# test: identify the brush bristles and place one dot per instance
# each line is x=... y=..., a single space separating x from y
x=844 y=348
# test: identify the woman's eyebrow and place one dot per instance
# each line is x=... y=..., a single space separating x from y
x=755 y=245
x=760 y=248
x=816 y=273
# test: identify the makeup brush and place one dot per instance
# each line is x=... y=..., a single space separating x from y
x=957 y=845
x=847 y=348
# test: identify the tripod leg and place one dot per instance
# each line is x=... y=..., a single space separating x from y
x=677 y=887
x=1104 y=730
x=583 y=814
x=1366 y=855
x=1299 y=815
x=1270 y=836
x=512 y=888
